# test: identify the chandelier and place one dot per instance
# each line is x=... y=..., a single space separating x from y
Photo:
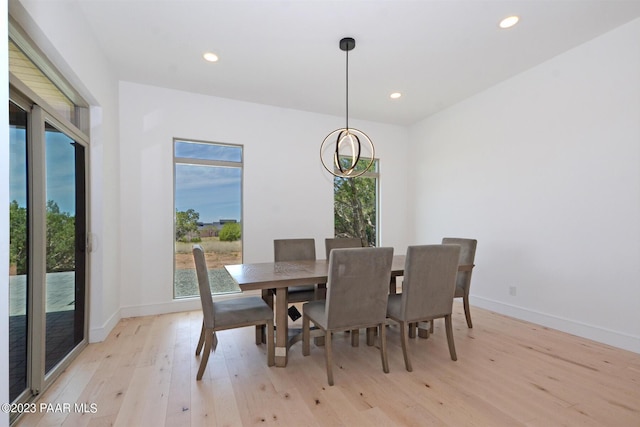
x=348 y=142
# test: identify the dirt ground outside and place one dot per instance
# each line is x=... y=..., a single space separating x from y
x=217 y=253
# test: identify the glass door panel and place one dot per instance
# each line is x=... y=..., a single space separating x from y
x=18 y=252
x=64 y=187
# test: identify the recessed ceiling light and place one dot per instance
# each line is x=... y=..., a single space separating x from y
x=395 y=95
x=211 y=57
x=509 y=21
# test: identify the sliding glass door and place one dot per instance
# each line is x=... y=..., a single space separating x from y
x=47 y=246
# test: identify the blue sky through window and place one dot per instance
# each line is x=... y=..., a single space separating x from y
x=205 y=151
x=213 y=191
x=60 y=166
x=18 y=166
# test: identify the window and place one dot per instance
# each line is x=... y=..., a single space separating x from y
x=355 y=204
x=208 y=211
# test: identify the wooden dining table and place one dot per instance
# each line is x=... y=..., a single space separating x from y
x=279 y=276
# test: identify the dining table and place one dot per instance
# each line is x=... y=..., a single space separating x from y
x=279 y=276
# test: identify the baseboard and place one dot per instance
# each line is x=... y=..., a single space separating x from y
x=187 y=304
x=101 y=333
x=592 y=332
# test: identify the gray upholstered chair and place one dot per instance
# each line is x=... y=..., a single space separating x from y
x=357 y=291
x=463 y=281
x=427 y=291
x=228 y=314
x=341 y=243
x=297 y=250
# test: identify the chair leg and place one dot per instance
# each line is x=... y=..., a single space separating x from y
x=355 y=337
x=404 y=340
x=431 y=325
x=383 y=348
x=328 y=354
x=306 y=336
x=412 y=330
x=467 y=312
x=208 y=341
x=271 y=356
x=449 y=328
x=200 y=340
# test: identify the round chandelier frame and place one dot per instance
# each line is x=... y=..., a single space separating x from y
x=352 y=139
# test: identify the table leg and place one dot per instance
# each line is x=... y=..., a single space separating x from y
x=282 y=326
x=423 y=329
x=261 y=335
x=371 y=333
x=392 y=286
x=321 y=293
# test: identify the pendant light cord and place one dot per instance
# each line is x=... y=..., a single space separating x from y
x=347 y=96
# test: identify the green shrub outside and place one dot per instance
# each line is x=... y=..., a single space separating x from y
x=230 y=232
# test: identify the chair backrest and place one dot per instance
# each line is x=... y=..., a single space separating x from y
x=467 y=257
x=294 y=249
x=358 y=286
x=429 y=281
x=203 y=285
x=341 y=243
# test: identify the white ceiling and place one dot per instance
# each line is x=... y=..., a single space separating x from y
x=285 y=53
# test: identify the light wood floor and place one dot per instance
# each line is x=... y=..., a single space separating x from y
x=508 y=373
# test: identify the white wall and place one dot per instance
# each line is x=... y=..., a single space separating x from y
x=4 y=219
x=544 y=170
x=286 y=191
x=58 y=28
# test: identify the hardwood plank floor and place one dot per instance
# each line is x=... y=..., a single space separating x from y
x=508 y=373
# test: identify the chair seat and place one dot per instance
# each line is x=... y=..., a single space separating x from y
x=316 y=312
x=394 y=311
x=238 y=311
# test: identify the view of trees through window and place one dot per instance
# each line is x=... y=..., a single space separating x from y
x=207 y=199
x=61 y=234
x=355 y=204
